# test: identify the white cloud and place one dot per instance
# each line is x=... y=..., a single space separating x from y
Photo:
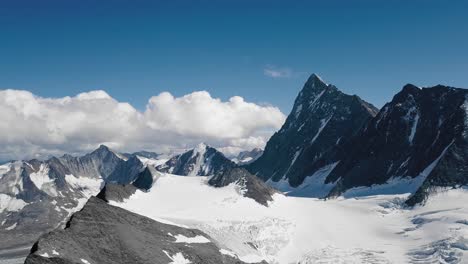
x=276 y=72
x=32 y=126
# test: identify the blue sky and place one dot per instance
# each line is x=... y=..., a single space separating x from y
x=136 y=49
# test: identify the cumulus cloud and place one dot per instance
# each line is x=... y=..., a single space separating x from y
x=277 y=72
x=32 y=126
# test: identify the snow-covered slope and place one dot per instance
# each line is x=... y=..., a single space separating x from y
x=371 y=229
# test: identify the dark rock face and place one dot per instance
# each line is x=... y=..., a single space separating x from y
x=127 y=171
x=119 y=192
x=251 y=186
x=104 y=234
x=146 y=178
x=116 y=192
x=247 y=157
x=322 y=117
x=421 y=132
x=200 y=161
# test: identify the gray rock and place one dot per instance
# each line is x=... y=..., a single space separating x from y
x=251 y=186
x=104 y=234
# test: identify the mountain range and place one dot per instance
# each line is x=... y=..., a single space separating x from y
x=335 y=144
x=331 y=145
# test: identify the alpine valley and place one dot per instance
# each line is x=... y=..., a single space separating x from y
x=340 y=182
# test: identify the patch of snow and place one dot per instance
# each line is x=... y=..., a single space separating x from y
x=198 y=153
x=54 y=252
x=413 y=116
x=323 y=124
x=15 y=182
x=298 y=111
x=45 y=255
x=296 y=155
x=87 y=186
x=300 y=127
x=396 y=185
x=177 y=258
x=246 y=160
x=190 y=240
x=314 y=185
x=11 y=227
x=338 y=141
x=152 y=162
x=228 y=253
x=43 y=182
x=5 y=168
x=316 y=98
x=413 y=128
x=85 y=261
x=10 y=204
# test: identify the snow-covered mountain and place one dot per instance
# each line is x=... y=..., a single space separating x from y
x=321 y=118
x=203 y=160
x=420 y=137
x=37 y=196
x=248 y=156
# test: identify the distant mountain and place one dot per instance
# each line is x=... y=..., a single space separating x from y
x=247 y=157
x=422 y=135
x=37 y=196
x=144 y=154
x=203 y=160
x=101 y=233
x=321 y=118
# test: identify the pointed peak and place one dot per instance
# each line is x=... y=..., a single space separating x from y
x=103 y=147
x=104 y=150
x=315 y=79
x=313 y=86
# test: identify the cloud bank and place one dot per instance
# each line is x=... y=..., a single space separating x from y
x=36 y=127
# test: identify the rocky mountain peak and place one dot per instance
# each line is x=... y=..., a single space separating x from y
x=315 y=81
x=322 y=117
